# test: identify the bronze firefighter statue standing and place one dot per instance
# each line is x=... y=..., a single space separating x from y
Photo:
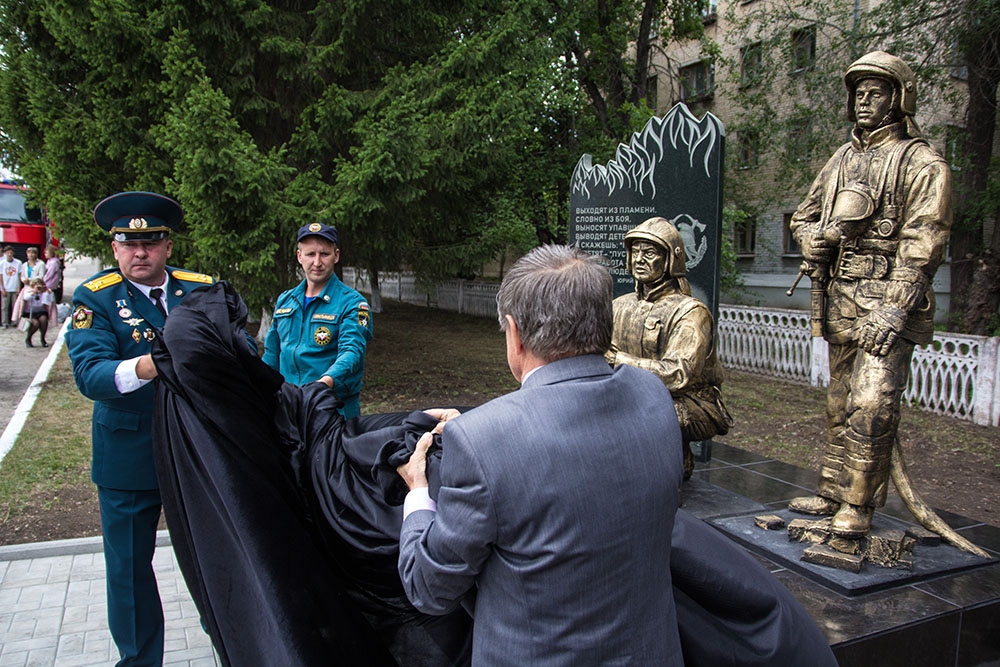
x=872 y=230
x=663 y=329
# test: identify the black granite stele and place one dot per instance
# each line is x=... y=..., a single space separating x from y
x=671 y=168
x=946 y=611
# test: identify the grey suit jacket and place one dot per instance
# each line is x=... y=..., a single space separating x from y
x=557 y=504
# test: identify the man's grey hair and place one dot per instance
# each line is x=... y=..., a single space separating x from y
x=560 y=299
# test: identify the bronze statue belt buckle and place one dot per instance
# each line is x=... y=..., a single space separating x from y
x=853 y=265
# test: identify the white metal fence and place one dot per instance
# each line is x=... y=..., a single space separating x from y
x=461 y=296
x=769 y=342
x=956 y=375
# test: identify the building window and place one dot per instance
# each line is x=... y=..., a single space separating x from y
x=749 y=153
x=790 y=246
x=710 y=12
x=697 y=80
x=745 y=236
x=959 y=67
x=751 y=64
x=803 y=48
x=800 y=141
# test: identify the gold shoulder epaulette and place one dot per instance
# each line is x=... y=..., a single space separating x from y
x=97 y=284
x=192 y=277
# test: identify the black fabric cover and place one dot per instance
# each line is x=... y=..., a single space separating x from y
x=281 y=575
x=733 y=612
x=285 y=522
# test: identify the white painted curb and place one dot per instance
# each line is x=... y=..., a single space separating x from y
x=20 y=416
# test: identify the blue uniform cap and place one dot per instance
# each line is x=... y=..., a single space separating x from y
x=138 y=216
x=318 y=229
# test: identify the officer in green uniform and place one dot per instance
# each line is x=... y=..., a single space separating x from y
x=320 y=328
x=116 y=316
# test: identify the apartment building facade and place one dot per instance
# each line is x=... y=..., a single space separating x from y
x=772 y=72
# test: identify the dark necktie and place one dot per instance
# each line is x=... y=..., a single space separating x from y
x=156 y=294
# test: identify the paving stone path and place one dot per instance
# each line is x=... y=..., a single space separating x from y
x=53 y=610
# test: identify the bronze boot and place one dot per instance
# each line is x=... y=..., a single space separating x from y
x=817 y=505
x=852 y=521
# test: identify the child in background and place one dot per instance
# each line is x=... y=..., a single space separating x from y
x=38 y=305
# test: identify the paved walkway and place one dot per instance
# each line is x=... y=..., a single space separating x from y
x=53 y=610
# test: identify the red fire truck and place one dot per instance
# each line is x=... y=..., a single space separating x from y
x=22 y=226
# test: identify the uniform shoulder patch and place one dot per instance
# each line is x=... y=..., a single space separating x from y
x=83 y=317
x=107 y=280
x=364 y=315
x=192 y=277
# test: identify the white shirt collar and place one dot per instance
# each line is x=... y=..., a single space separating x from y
x=529 y=374
x=146 y=289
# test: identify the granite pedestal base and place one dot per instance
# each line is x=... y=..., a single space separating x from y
x=946 y=611
x=928 y=561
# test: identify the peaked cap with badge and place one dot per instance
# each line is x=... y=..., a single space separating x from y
x=318 y=229
x=138 y=216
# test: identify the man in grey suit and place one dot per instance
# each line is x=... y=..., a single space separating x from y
x=554 y=517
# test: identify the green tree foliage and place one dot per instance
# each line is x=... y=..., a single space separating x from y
x=731 y=280
x=945 y=42
x=439 y=176
x=436 y=136
x=608 y=47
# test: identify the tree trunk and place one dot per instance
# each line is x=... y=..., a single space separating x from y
x=375 y=301
x=969 y=263
x=265 y=324
x=984 y=296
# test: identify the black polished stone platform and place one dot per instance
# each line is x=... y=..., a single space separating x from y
x=928 y=561
x=707 y=501
x=934 y=618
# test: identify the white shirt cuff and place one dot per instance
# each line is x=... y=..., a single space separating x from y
x=126 y=381
x=418 y=499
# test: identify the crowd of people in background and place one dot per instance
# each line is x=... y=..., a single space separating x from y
x=31 y=291
x=37 y=305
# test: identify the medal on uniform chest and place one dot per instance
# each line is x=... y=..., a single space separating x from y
x=125 y=312
x=136 y=336
x=149 y=335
